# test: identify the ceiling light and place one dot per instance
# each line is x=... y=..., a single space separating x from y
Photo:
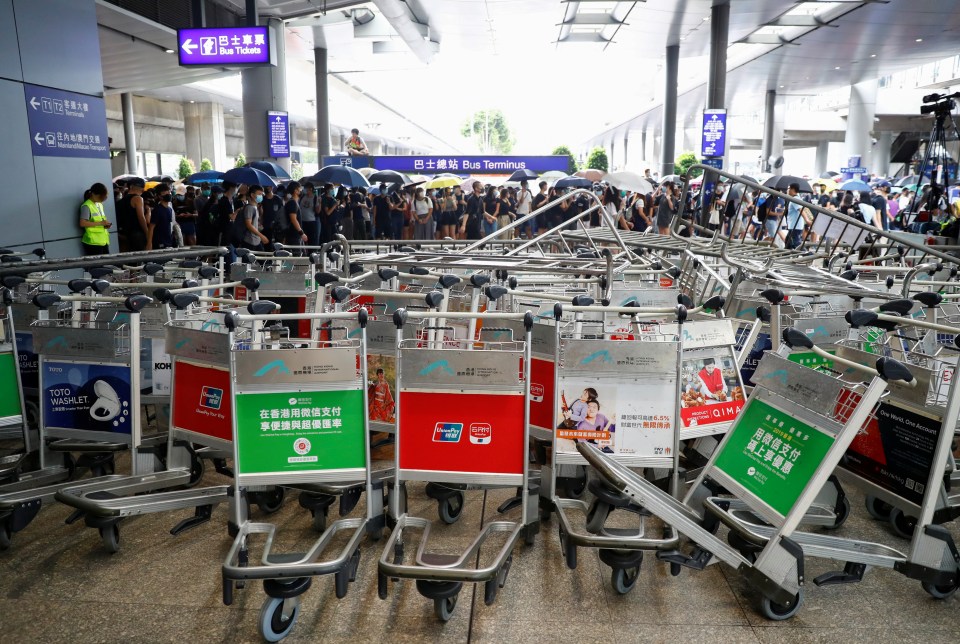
x=919 y=39
x=873 y=55
x=836 y=68
x=782 y=86
x=170 y=51
x=193 y=101
x=707 y=18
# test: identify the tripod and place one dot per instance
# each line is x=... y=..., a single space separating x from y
x=937 y=147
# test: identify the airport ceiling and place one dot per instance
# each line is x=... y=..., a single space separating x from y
x=796 y=47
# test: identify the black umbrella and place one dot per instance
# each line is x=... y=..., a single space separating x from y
x=388 y=176
x=269 y=168
x=829 y=174
x=523 y=175
x=783 y=182
x=573 y=182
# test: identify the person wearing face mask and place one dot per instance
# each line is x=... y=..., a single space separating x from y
x=295 y=234
x=274 y=224
x=201 y=199
x=160 y=232
x=246 y=232
x=93 y=221
x=186 y=213
x=132 y=223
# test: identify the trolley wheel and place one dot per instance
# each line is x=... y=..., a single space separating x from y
x=450 y=508
x=941 y=591
x=569 y=550
x=675 y=569
x=69 y=464
x=530 y=533
x=902 y=524
x=624 y=579
x=597 y=516
x=6 y=534
x=443 y=607
x=779 y=612
x=273 y=625
x=110 y=535
x=196 y=471
x=270 y=501
x=319 y=519
x=576 y=487
x=843 y=513
x=879 y=510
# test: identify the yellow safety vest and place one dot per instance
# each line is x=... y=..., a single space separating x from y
x=95 y=235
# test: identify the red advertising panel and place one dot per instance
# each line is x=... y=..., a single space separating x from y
x=455 y=432
x=541 y=393
x=201 y=400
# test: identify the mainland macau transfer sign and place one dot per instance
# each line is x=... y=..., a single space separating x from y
x=300 y=432
x=772 y=455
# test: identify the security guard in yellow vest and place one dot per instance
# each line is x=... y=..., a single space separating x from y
x=96 y=239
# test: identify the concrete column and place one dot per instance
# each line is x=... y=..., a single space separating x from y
x=610 y=162
x=645 y=154
x=205 y=134
x=823 y=150
x=881 y=153
x=323 y=102
x=863 y=108
x=264 y=89
x=669 y=129
x=769 y=114
x=719 y=34
x=159 y=163
x=129 y=131
x=198 y=13
x=626 y=148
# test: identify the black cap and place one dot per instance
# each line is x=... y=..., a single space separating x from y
x=136 y=182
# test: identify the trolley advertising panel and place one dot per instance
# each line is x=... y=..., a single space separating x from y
x=201 y=400
x=86 y=396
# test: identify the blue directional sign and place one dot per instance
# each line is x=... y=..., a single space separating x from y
x=224 y=46
x=64 y=124
x=713 y=163
x=278 y=125
x=457 y=164
x=714 y=133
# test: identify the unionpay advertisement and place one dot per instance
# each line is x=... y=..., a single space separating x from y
x=201 y=400
x=86 y=396
x=300 y=432
x=461 y=432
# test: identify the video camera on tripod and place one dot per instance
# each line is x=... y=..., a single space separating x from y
x=941 y=107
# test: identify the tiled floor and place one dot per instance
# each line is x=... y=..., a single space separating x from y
x=58 y=585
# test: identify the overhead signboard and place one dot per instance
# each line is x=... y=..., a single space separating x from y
x=458 y=164
x=65 y=124
x=714 y=133
x=713 y=163
x=224 y=46
x=278 y=125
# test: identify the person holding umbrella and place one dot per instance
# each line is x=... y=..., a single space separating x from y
x=93 y=221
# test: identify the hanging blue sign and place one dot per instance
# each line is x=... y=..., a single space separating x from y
x=65 y=124
x=224 y=46
x=278 y=126
x=86 y=396
x=714 y=133
x=457 y=164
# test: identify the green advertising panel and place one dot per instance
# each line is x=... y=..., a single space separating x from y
x=9 y=394
x=772 y=454
x=300 y=432
x=810 y=359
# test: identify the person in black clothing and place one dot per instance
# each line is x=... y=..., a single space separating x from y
x=538 y=201
x=131 y=218
x=291 y=211
x=225 y=213
x=878 y=199
x=381 y=214
x=473 y=213
x=274 y=223
x=329 y=224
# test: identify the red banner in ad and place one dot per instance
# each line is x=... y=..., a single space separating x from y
x=710 y=413
x=201 y=400
x=455 y=432
x=541 y=393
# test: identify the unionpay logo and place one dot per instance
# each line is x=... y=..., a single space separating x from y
x=447 y=432
x=536 y=392
x=211 y=397
x=481 y=433
x=301 y=446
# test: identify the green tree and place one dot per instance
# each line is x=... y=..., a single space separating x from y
x=572 y=165
x=491 y=131
x=597 y=160
x=683 y=162
x=185 y=169
x=205 y=165
x=241 y=161
x=296 y=171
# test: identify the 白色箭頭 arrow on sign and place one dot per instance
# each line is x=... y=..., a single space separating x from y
x=33 y=102
x=189 y=46
x=38 y=138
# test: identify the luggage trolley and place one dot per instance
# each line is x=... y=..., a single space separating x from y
x=821 y=415
x=13 y=420
x=299 y=417
x=462 y=417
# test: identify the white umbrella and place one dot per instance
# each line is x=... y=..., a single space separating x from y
x=629 y=181
x=551 y=177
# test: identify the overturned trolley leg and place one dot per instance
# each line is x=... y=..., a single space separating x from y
x=304 y=424
x=462 y=418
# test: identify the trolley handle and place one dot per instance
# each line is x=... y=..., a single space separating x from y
x=190 y=286
x=859 y=318
x=715 y=303
x=233 y=319
x=725 y=256
x=133 y=303
x=400 y=316
x=887 y=368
